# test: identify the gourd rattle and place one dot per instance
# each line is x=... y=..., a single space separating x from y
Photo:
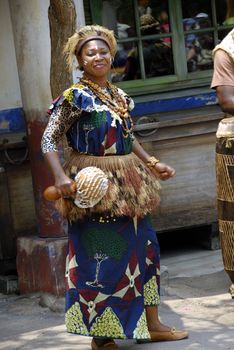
x=91 y=185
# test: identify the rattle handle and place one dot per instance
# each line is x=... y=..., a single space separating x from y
x=52 y=193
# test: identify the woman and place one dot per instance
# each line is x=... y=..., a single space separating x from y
x=113 y=260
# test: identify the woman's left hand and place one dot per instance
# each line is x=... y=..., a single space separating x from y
x=163 y=171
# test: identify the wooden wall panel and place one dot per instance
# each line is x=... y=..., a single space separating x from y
x=21 y=199
x=189 y=199
x=185 y=140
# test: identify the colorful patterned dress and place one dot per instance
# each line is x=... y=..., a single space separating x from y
x=112 y=269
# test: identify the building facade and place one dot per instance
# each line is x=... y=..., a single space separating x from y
x=164 y=61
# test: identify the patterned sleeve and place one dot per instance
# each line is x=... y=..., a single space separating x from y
x=61 y=119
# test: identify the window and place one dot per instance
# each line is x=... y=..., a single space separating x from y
x=163 y=45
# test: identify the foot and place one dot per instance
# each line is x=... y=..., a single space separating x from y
x=157 y=326
x=171 y=334
x=103 y=344
x=161 y=332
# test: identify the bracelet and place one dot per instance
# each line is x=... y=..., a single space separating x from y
x=151 y=162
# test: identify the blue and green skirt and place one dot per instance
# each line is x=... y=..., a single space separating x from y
x=112 y=273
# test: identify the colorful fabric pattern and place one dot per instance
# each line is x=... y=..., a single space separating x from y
x=109 y=277
x=112 y=268
x=90 y=126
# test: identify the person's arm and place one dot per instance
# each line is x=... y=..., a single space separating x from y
x=60 y=121
x=160 y=170
x=225 y=94
x=223 y=80
x=61 y=181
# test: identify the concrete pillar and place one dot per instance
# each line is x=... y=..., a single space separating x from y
x=32 y=46
x=40 y=259
x=41 y=265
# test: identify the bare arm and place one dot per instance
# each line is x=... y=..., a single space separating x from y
x=61 y=180
x=225 y=96
x=160 y=170
x=223 y=80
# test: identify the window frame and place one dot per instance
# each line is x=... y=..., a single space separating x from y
x=181 y=79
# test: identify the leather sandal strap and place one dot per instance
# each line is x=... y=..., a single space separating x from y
x=173 y=330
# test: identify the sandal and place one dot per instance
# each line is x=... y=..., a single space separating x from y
x=172 y=334
x=110 y=345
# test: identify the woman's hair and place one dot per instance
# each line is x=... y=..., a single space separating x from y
x=75 y=41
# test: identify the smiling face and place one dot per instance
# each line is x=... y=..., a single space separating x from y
x=95 y=58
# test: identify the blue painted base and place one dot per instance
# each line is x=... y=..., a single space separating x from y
x=173 y=104
x=12 y=121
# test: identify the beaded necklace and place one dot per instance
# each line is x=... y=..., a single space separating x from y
x=118 y=104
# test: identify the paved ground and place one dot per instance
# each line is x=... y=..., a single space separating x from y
x=194 y=297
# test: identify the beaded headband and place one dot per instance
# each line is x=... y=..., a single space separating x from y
x=85 y=41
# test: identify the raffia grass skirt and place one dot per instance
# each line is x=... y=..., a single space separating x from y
x=133 y=190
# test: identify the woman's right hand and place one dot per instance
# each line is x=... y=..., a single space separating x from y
x=65 y=185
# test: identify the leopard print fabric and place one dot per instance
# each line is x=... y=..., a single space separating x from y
x=60 y=121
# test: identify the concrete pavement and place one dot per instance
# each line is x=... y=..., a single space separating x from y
x=194 y=297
